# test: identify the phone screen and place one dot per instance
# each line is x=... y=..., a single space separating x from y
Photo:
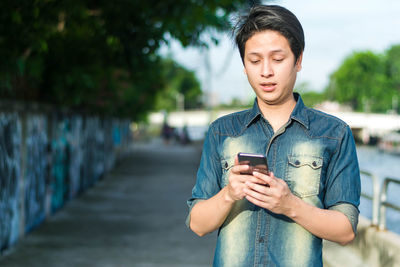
x=257 y=162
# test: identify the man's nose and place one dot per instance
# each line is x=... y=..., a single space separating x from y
x=267 y=70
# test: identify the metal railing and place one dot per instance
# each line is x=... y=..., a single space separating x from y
x=383 y=203
x=379 y=198
x=375 y=196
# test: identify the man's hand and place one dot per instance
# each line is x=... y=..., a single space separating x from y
x=238 y=181
x=273 y=194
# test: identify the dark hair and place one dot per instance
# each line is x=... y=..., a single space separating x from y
x=270 y=17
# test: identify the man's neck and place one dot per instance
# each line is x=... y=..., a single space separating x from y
x=277 y=115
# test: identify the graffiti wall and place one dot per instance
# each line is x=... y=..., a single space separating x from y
x=75 y=141
x=48 y=159
x=93 y=152
x=60 y=161
x=10 y=166
x=36 y=170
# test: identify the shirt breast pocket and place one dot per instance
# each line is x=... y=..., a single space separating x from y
x=303 y=174
x=226 y=165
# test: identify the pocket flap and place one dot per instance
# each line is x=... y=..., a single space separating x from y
x=227 y=163
x=303 y=160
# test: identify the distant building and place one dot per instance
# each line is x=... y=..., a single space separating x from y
x=330 y=106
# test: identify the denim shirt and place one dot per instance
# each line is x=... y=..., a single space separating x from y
x=314 y=153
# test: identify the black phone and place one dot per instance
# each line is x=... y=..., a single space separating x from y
x=257 y=162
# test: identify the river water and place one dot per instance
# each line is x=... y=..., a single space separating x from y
x=382 y=165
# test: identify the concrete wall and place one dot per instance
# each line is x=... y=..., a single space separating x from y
x=48 y=158
x=371 y=247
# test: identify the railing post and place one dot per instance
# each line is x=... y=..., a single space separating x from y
x=375 y=202
x=382 y=208
x=379 y=198
x=375 y=197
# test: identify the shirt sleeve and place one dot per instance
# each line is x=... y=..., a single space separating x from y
x=351 y=213
x=209 y=173
x=343 y=185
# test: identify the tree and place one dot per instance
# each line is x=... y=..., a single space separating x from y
x=309 y=96
x=25 y=27
x=393 y=73
x=99 y=55
x=179 y=82
x=393 y=66
x=362 y=83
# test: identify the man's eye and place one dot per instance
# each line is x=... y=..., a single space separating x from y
x=278 y=59
x=255 y=61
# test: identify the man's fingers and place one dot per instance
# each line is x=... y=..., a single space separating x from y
x=255 y=187
x=256 y=201
x=256 y=180
x=267 y=178
x=259 y=192
x=238 y=169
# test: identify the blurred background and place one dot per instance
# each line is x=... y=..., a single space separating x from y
x=131 y=57
x=83 y=81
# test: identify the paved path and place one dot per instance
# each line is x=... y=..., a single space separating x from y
x=133 y=217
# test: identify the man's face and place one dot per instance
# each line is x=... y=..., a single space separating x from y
x=270 y=67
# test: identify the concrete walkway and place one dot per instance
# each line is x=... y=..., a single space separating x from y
x=133 y=217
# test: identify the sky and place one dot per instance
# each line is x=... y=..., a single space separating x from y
x=333 y=30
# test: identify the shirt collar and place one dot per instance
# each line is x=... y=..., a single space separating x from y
x=254 y=113
x=299 y=113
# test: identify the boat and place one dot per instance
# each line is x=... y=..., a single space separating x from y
x=390 y=143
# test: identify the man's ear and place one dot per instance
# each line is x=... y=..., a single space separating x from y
x=244 y=70
x=298 y=62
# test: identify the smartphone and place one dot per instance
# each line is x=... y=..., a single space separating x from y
x=257 y=162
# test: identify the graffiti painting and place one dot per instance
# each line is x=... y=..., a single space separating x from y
x=10 y=142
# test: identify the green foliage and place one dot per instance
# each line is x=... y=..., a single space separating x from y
x=237 y=103
x=179 y=81
x=99 y=55
x=363 y=83
x=393 y=66
x=25 y=27
x=312 y=98
x=309 y=96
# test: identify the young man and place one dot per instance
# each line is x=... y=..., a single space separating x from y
x=312 y=191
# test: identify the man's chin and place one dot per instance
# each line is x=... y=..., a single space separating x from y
x=273 y=100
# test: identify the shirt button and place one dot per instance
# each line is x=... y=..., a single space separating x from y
x=314 y=164
x=297 y=162
x=226 y=164
x=261 y=239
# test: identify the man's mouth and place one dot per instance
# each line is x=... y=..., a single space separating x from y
x=268 y=87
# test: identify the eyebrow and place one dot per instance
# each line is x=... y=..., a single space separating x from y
x=273 y=52
x=278 y=51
